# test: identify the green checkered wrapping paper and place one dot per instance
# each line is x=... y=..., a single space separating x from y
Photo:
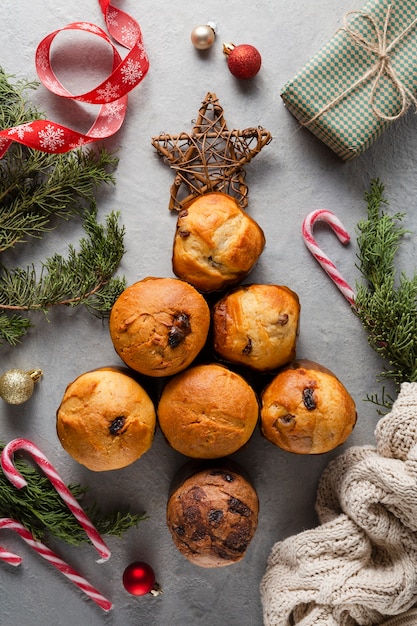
x=349 y=124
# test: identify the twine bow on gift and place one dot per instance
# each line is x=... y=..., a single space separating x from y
x=382 y=67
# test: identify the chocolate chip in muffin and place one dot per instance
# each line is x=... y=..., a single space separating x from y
x=181 y=327
x=117 y=425
x=308 y=399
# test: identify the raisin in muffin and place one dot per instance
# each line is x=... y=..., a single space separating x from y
x=257 y=326
x=216 y=243
x=159 y=325
x=208 y=411
x=306 y=409
x=212 y=513
x=106 y=420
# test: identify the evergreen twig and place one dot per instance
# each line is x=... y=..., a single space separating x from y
x=35 y=189
x=386 y=300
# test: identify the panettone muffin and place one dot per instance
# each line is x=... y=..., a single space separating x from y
x=306 y=409
x=257 y=326
x=106 y=420
x=207 y=412
x=216 y=243
x=212 y=513
x=159 y=325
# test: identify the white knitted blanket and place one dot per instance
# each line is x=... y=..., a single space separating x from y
x=359 y=567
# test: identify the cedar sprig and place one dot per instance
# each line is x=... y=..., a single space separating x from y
x=386 y=299
x=84 y=277
x=36 y=188
x=43 y=512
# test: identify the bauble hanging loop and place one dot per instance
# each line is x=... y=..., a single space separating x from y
x=244 y=61
x=16 y=385
x=203 y=36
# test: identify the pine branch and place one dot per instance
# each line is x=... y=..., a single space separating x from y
x=36 y=188
x=84 y=277
x=386 y=301
x=43 y=512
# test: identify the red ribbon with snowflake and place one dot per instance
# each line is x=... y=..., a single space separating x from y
x=111 y=95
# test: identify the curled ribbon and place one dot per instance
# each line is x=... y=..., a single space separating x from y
x=382 y=66
x=111 y=94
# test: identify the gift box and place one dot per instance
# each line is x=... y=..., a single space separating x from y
x=362 y=80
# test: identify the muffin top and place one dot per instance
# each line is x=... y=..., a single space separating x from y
x=208 y=411
x=212 y=514
x=257 y=326
x=216 y=243
x=159 y=325
x=306 y=409
x=106 y=420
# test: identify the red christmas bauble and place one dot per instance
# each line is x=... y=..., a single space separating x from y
x=244 y=61
x=139 y=578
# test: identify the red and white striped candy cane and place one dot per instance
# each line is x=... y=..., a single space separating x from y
x=53 y=559
x=322 y=258
x=9 y=557
x=18 y=481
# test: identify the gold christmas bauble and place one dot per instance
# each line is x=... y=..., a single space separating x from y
x=16 y=386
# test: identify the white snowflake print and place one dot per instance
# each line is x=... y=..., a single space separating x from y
x=112 y=18
x=109 y=92
x=131 y=72
x=3 y=143
x=113 y=111
x=142 y=50
x=79 y=143
x=51 y=137
x=88 y=26
x=54 y=86
x=42 y=57
x=21 y=130
x=130 y=34
x=103 y=131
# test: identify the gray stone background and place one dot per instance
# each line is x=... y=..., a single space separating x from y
x=290 y=177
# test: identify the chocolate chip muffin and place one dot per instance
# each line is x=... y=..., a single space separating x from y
x=106 y=420
x=212 y=513
x=257 y=326
x=306 y=409
x=159 y=325
x=216 y=243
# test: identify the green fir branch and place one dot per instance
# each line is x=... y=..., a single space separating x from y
x=84 y=277
x=386 y=300
x=36 y=189
x=43 y=512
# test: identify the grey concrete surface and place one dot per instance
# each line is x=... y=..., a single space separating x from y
x=292 y=176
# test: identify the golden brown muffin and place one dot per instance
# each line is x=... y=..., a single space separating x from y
x=106 y=420
x=207 y=412
x=216 y=243
x=159 y=325
x=307 y=410
x=257 y=326
x=212 y=514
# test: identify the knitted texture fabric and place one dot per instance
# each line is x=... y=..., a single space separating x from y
x=359 y=566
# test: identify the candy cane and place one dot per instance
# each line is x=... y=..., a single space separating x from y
x=18 y=481
x=328 y=266
x=53 y=559
x=9 y=557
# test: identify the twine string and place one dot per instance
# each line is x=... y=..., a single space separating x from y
x=382 y=67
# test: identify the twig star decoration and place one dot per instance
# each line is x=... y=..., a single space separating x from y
x=211 y=158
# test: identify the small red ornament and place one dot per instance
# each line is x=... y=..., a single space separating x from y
x=244 y=61
x=139 y=579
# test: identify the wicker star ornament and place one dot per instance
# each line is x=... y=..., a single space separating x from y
x=211 y=157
